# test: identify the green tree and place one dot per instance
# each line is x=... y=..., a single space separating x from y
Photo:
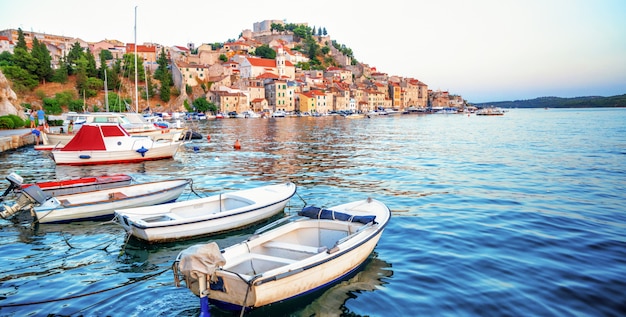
x=93 y=85
x=202 y=105
x=106 y=54
x=76 y=52
x=113 y=78
x=23 y=81
x=300 y=31
x=51 y=106
x=223 y=58
x=81 y=75
x=161 y=70
x=165 y=92
x=76 y=105
x=65 y=98
x=6 y=58
x=265 y=51
x=324 y=32
x=117 y=103
x=43 y=59
x=23 y=59
x=277 y=26
x=129 y=66
x=21 y=41
x=92 y=70
x=61 y=74
x=103 y=67
x=149 y=91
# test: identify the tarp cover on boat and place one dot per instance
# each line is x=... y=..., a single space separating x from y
x=319 y=213
x=89 y=138
x=198 y=260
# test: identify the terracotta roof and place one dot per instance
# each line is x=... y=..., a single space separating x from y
x=268 y=75
x=140 y=48
x=265 y=62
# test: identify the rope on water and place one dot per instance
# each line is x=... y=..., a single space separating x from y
x=192 y=190
x=64 y=256
x=143 y=278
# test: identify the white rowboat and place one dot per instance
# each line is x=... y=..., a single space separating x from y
x=291 y=260
x=101 y=204
x=204 y=216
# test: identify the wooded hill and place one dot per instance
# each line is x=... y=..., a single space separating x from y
x=556 y=102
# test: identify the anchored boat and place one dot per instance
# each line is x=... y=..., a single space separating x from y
x=315 y=250
x=208 y=215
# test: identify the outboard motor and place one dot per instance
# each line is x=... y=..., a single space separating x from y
x=15 y=182
x=29 y=196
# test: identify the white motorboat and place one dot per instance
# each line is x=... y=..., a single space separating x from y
x=110 y=143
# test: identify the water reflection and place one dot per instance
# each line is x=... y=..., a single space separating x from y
x=331 y=301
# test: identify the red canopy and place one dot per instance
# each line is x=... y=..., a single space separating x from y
x=91 y=137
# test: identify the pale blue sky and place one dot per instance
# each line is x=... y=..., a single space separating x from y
x=484 y=50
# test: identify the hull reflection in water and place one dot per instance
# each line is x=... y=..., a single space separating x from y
x=332 y=300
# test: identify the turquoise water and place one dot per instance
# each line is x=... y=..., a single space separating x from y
x=519 y=215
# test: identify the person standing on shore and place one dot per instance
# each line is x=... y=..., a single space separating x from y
x=31 y=117
x=41 y=117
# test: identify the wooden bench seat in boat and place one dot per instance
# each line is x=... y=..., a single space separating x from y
x=294 y=247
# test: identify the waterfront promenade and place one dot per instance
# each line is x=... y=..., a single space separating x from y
x=15 y=138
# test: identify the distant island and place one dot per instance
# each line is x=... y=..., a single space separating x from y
x=556 y=102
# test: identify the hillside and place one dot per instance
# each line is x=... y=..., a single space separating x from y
x=556 y=102
x=50 y=89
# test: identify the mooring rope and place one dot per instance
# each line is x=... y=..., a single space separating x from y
x=60 y=258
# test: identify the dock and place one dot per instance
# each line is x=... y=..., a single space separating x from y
x=15 y=138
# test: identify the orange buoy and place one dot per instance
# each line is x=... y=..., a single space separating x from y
x=208 y=137
x=237 y=145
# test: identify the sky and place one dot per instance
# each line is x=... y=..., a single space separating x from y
x=483 y=50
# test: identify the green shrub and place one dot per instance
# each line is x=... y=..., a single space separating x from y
x=6 y=123
x=52 y=106
x=17 y=121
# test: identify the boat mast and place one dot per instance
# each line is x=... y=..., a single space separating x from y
x=106 y=89
x=145 y=75
x=136 y=91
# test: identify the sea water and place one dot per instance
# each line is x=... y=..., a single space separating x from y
x=515 y=215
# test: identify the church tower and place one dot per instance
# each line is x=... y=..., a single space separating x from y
x=280 y=61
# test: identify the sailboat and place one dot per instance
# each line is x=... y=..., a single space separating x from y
x=133 y=122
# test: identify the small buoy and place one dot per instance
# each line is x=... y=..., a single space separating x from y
x=237 y=145
x=196 y=149
x=208 y=137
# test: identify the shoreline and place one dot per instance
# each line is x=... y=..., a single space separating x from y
x=15 y=138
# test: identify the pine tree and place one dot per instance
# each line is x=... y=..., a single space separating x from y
x=165 y=88
x=44 y=68
x=92 y=70
x=21 y=41
x=76 y=52
x=161 y=71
